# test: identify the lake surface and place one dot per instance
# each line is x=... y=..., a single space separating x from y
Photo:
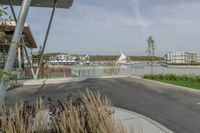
x=132 y=70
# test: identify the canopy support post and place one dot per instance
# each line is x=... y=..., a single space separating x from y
x=27 y=57
x=45 y=40
x=22 y=39
x=13 y=47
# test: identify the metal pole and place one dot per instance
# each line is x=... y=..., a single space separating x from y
x=46 y=38
x=19 y=49
x=13 y=12
x=22 y=39
x=29 y=62
x=13 y=50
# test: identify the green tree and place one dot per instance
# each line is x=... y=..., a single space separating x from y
x=6 y=77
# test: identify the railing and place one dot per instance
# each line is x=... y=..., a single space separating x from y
x=119 y=70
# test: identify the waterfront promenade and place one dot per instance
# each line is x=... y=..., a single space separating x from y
x=175 y=108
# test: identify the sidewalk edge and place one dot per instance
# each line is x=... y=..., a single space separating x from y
x=163 y=128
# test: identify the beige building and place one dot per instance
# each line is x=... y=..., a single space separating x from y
x=8 y=27
x=181 y=57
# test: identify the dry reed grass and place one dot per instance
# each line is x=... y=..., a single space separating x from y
x=88 y=114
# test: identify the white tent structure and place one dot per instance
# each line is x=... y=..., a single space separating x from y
x=122 y=59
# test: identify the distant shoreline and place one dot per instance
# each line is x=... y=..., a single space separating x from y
x=183 y=66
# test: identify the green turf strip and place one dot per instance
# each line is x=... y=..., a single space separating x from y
x=190 y=84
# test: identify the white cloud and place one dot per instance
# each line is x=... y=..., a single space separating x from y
x=94 y=17
x=122 y=25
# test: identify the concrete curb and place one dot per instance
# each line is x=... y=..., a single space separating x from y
x=158 y=125
x=61 y=80
x=107 y=77
x=49 y=81
x=135 y=77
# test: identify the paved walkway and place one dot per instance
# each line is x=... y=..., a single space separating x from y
x=176 y=108
x=136 y=123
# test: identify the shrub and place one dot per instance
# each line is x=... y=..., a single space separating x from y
x=198 y=78
x=185 y=77
x=160 y=76
x=173 y=77
x=88 y=114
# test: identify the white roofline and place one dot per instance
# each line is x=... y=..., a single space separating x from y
x=182 y=51
x=12 y=23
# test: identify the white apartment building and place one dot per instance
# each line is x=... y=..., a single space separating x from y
x=181 y=57
x=58 y=56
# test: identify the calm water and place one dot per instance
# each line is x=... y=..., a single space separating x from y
x=133 y=70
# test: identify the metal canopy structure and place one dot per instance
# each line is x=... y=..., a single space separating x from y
x=25 y=4
x=42 y=3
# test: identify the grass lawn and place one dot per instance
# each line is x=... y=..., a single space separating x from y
x=190 y=81
x=190 y=84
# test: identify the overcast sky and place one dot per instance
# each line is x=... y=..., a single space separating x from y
x=111 y=26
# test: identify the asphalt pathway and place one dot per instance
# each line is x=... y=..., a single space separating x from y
x=177 y=109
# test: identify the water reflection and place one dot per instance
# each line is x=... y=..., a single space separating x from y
x=134 y=70
x=113 y=70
